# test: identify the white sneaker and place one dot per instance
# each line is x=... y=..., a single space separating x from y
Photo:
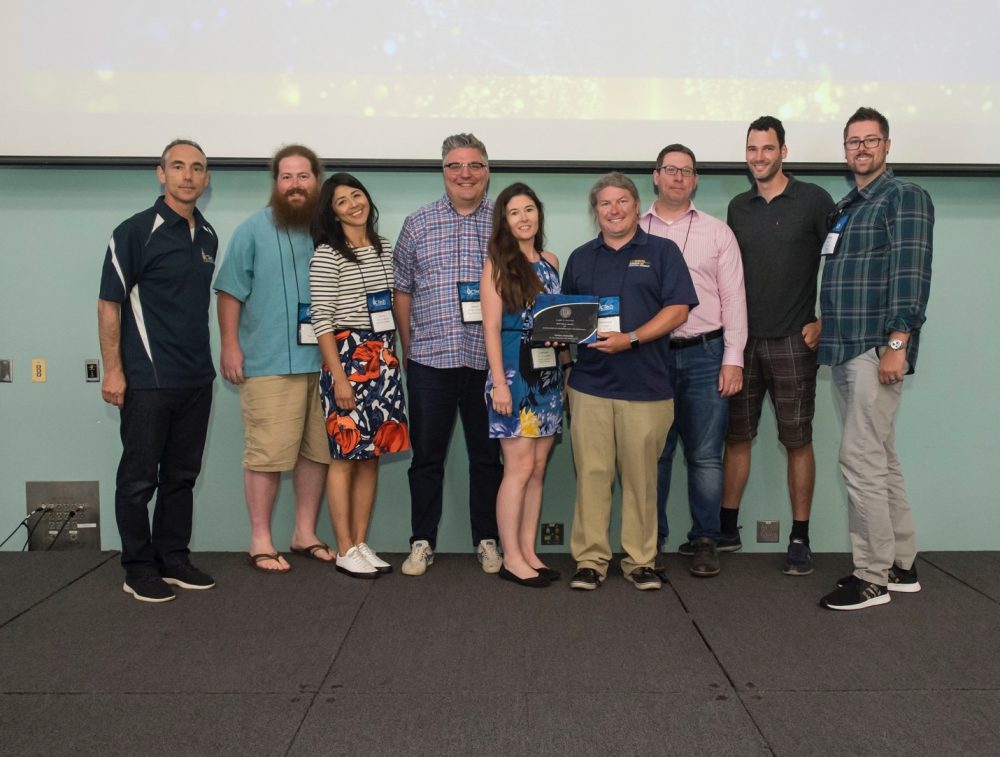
x=421 y=555
x=355 y=565
x=489 y=556
x=374 y=560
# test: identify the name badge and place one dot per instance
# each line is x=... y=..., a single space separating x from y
x=380 y=311
x=306 y=333
x=609 y=314
x=833 y=237
x=543 y=357
x=468 y=299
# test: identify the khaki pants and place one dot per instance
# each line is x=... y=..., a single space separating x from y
x=609 y=436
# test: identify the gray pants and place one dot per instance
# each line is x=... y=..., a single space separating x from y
x=880 y=520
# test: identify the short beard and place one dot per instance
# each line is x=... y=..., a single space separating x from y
x=288 y=216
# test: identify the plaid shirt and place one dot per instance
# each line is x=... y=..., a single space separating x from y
x=437 y=248
x=879 y=279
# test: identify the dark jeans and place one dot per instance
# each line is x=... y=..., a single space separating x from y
x=163 y=437
x=433 y=395
x=701 y=417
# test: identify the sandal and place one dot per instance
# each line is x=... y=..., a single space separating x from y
x=311 y=551
x=255 y=562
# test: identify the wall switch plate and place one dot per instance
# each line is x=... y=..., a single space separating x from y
x=93 y=370
x=768 y=531
x=552 y=534
x=6 y=371
x=38 y=370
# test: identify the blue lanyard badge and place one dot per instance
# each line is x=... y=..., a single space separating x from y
x=468 y=299
x=833 y=237
x=306 y=333
x=609 y=314
x=380 y=311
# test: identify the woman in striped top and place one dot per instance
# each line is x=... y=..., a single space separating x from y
x=351 y=282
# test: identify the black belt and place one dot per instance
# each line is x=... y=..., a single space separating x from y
x=680 y=344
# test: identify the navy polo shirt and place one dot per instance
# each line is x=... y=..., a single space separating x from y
x=162 y=278
x=648 y=274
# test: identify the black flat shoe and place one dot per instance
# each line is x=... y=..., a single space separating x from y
x=549 y=573
x=535 y=582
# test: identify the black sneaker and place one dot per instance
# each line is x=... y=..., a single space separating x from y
x=586 y=579
x=799 y=559
x=726 y=543
x=856 y=595
x=705 y=561
x=186 y=576
x=903 y=580
x=148 y=588
x=847 y=581
x=644 y=579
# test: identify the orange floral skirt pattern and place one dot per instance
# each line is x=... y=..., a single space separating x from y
x=377 y=425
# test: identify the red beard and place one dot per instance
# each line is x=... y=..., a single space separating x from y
x=293 y=216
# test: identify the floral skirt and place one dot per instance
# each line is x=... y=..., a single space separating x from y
x=377 y=425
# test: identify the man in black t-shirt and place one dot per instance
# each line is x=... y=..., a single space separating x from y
x=780 y=224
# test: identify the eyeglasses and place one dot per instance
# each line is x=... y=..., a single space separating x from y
x=687 y=173
x=855 y=144
x=473 y=167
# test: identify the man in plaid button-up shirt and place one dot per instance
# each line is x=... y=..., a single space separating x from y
x=873 y=300
x=441 y=246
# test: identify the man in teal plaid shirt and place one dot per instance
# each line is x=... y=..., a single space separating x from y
x=876 y=280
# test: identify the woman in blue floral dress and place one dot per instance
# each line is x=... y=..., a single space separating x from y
x=351 y=282
x=524 y=401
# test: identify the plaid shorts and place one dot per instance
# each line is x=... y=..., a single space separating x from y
x=785 y=368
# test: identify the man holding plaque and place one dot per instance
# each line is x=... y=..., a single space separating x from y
x=619 y=391
x=271 y=355
x=439 y=259
x=706 y=352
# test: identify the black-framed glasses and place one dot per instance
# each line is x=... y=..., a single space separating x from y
x=686 y=172
x=474 y=167
x=855 y=144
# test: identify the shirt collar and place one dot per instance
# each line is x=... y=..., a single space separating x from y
x=652 y=213
x=171 y=216
x=483 y=204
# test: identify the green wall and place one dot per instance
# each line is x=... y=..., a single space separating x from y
x=55 y=227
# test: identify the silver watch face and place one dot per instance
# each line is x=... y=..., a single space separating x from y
x=896 y=344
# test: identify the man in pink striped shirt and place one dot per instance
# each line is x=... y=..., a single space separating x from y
x=706 y=352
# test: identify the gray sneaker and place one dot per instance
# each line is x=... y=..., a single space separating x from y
x=489 y=556
x=798 y=560
x=421 y=555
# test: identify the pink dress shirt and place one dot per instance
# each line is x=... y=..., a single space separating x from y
x=713 y=257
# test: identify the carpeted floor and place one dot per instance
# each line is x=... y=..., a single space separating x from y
x=459 y=663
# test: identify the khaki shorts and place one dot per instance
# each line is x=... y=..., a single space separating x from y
x=282 y=419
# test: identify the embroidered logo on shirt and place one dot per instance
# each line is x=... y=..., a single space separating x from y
x=638 y=263
x=206 y=258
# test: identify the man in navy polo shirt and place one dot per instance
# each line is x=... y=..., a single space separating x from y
x=152 y=316
x=619 y=392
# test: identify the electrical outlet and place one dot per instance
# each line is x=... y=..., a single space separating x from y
x=768 y=531
x=552 y=534
x=6 y=371
x=93 y=368
x=38 y=370
x=63 y=515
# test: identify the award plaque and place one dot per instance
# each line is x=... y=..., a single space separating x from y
x=567 y=318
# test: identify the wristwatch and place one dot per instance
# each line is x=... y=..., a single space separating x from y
x=633 y=339
x=896 y=345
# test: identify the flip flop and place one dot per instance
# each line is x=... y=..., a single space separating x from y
x=311 y=551
x=255 y=561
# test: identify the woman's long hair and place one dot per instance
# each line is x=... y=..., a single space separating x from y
x=513 y=276
x=326 y=227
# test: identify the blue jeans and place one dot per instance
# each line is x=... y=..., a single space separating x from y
x=434 y=397
x=701 y=417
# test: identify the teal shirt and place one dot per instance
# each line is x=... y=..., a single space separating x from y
x=267 y=269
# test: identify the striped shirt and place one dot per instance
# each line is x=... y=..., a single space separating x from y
x=339 y=286
x=879 y=279
x=438 y=247
x=713 y=257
